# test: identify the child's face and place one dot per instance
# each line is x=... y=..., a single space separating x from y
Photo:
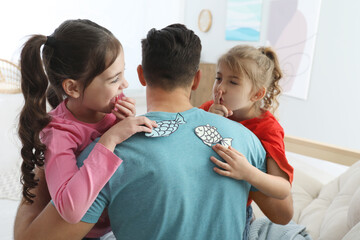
x=99 y=96
x=235 y=90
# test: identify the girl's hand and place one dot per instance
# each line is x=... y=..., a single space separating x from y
x=236 y=165
x=219 y=108
x=124 y=107
x=125 y=129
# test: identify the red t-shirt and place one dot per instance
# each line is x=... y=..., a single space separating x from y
x=271 y=136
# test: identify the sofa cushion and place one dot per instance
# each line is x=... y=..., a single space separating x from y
x=354 y=208
x=354 y=233
x=304 y=189
x=326 y=217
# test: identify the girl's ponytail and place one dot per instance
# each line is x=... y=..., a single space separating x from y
x=33 y=116
x=273 y=90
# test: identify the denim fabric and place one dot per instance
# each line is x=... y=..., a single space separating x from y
x=249 y=216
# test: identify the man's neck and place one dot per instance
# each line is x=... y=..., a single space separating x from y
x=159 y=100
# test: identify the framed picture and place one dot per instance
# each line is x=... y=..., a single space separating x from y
x=291 y=31
x=243 y=20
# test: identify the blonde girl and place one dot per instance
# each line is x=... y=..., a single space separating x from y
x=246 y=90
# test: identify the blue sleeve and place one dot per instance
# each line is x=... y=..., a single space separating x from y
x=84 y=154
x=259 y=160
x=96 y=209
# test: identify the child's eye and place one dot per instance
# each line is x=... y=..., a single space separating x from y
x=234 y=83
x=115 y=80
x=218 y=79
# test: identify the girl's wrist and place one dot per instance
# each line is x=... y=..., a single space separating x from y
x=251 y=174
x=107 y=142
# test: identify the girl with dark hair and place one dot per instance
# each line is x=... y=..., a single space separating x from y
x=246 y=90
x=80 y=73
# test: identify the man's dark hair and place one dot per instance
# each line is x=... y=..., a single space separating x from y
x=170 y=56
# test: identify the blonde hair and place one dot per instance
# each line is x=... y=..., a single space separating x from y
x=262 y=67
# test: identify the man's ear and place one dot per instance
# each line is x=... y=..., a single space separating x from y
x=140 y=72
x=196 y=81
x=72 y=88
x=259 y=94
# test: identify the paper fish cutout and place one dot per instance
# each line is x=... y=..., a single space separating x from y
x=209 y=135
x=166 y=127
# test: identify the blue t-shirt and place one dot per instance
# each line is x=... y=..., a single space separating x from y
x=166 y=187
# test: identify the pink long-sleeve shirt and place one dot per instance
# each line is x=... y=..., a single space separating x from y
x=73 y=190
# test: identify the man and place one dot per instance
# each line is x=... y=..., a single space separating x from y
x=166 y=187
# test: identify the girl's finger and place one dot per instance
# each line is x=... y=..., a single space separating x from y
x=221 y=151
x=220 y=110
x=236 y=151
x=219 y=163
x=221 y=113
x=144 y=129
x=129 y=100
x=229 y=151
x=154 y=124
x=150 y=124
x=218 y=95
x=225 y=110
x=125 y=110
x=127 y=104
x=222 y=172
x=118 y=115
x=142 y=120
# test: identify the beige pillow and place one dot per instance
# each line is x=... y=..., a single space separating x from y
x=327 y=216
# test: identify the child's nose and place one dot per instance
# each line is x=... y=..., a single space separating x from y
x=124 y=84
x=221 y=88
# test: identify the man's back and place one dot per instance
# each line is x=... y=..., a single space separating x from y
x=166 y=187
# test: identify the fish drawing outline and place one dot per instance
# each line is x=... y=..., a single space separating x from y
x=166 y=127
x=210 y=135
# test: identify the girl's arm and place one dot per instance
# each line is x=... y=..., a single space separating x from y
x=279 y=211
x=33 y=222
x=47 y=225
x=238 y=167
x=27 y=212
x=74 y=189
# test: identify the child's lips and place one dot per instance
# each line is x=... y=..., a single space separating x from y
x=116 y=98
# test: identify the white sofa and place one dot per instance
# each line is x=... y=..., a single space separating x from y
x=330 y=211
x=326 y=198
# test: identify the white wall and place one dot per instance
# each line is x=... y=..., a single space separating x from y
x=331 y=112
x=128 y=20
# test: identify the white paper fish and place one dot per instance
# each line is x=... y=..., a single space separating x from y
x=209 y=135
x=166 y=127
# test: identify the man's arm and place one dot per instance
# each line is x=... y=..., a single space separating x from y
x=33 y=221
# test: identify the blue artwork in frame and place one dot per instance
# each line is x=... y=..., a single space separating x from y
x=243 y=20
